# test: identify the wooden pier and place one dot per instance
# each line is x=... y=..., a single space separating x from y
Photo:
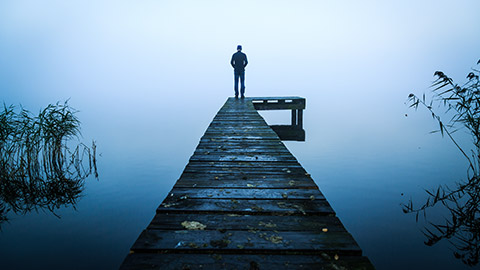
x=244 y=202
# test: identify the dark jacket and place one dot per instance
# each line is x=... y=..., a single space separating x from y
x=239 y=61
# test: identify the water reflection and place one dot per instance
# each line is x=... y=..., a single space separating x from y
x=40 y=167
x=289 y=132
x=462 y=227
x=462 y=201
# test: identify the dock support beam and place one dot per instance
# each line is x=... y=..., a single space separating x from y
x=294 y=117
x=296 y=104
x=297 y=118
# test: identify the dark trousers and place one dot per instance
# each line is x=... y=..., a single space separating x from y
x=241 y=76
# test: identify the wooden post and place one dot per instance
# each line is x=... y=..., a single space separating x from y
x=300 y=118
x=294 y=117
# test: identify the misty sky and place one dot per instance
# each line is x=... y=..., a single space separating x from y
x=355 y=60
x=294 y=47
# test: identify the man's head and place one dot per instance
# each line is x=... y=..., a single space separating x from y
x=239 y=47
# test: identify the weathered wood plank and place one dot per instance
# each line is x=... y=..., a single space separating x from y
x=247 y=207
x=244 y=261
x=253 y=241
x=240 y=176
x=247 y=164
x=248 y=172
x=233 y=182
x=249 y=192
x=225 y=157
x=225 y=222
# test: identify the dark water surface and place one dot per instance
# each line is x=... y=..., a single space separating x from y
x=362 y=172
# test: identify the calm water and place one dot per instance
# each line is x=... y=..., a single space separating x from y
x=361 y=169
x=148 y=77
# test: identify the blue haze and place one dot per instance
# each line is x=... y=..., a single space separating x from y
x=148 y=77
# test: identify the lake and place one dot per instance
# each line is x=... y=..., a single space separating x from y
x=148 y=78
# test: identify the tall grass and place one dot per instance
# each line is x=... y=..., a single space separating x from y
x=462 y=226
x=40 y=166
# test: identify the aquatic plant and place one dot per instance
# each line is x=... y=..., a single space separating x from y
x=462 y=226
x=38 y=169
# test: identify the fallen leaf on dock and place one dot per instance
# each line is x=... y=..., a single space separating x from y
x=282 y=204
x=275 y=239
x=257 y=208
x=193 y=225
x=267 y=224
x=299 y=208
x=193 y=245
x=166 y=205
x=222 y=243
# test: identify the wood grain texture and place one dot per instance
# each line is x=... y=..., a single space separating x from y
x=244 y=202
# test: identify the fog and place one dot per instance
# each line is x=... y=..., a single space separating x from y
x=147 y=77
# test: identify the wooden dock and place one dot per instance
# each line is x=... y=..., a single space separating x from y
x=244 y=202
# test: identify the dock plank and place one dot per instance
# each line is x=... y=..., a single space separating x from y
x=247 y=207
x=257 y=242
x=218 y=221
x=177 y=261
x=244 y=201
x=249 y=192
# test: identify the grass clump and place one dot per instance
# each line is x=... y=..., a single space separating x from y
x=462 y=226
x=40 y=166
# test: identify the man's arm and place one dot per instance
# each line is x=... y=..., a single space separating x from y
x=232 y=62
x=246 y=61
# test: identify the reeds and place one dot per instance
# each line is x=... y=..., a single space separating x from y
x=462 y=227
x=38 y=169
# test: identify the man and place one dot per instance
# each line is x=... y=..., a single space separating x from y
x=239 y=62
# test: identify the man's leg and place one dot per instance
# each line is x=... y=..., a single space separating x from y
x=235 y=79
x=242 y=83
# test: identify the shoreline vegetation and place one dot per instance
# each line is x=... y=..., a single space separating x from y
x=43 y=165
x=462 y=201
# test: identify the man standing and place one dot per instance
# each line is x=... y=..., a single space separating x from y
x=239 y=62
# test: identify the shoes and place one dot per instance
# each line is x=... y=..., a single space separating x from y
x=243 y=96
x=236 y=96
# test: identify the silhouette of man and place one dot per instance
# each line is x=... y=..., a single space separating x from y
x=239 y=62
